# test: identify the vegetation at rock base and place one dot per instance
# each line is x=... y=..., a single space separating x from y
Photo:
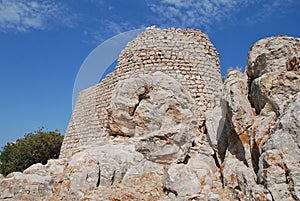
x=36 y=147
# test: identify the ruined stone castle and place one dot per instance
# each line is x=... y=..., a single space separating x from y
x=188 y=56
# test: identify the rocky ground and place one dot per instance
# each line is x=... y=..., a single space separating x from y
x=249 y=149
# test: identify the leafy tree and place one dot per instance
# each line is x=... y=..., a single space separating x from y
x=36 y=147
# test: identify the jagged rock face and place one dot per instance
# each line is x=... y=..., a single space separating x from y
x=236 y=96
x=272 y=54
x=17 y=184
x=259 y=144
x=237 y=168
x=272 y=89
x=279 y=163
x=275 y=133
x=156 y=149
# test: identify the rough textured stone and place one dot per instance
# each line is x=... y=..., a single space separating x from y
x=293 y=64
x=239 y=118
x=272 y=89
x=215 y=122
x=271 y=55
x=239 y=109
x=190 y=178
x=279 y=163
x=102 y=165
x=18 y=186
x=260 y=133
x=275 y=132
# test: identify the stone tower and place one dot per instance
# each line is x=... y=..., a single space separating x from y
x=188 y=56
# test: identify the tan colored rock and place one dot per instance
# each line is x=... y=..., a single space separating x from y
x=186 y=179
x=271 y=55
x=279 y=163
x=273 y=175
x=239 y=117
x=99 y=166
x=157 y=109
x=236 y=95
x=260 y=133
x=273 y=89
x=18 y=186
x=293 y=64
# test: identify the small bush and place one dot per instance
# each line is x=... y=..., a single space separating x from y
x=37 y=147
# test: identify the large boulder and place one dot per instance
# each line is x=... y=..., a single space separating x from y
x=101 y=165
x=159 y=111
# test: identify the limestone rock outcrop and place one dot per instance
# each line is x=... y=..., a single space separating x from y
x=164 y=127
x=272 y=54
x=274 y=94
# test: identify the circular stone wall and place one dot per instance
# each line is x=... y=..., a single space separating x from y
x=188 y=56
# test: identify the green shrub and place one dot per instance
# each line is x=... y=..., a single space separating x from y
x=37 y=147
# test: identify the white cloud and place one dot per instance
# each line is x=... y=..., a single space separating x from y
x=205 y=13
x=22 y=15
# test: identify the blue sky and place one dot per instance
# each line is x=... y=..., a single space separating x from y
x=44 y=42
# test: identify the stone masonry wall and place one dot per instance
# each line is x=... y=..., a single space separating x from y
x=186 y=55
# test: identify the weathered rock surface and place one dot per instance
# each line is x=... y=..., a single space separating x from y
x=19 y=186
x=215 y=124
x=293 y=64
x=271 y=55
x=190 y=178
x=156 y=148
x=279 y=163
x=273 y=89
x=157 y=109
x=275 y=132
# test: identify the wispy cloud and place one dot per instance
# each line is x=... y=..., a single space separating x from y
x=191 y=13
x=206 y=13
x=23 y=15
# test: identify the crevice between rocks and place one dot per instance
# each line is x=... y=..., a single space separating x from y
x=99 y=177
x=167 y=191
x=215 y=157
x=140 y=98
x=113 y=178
x=185 y=160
